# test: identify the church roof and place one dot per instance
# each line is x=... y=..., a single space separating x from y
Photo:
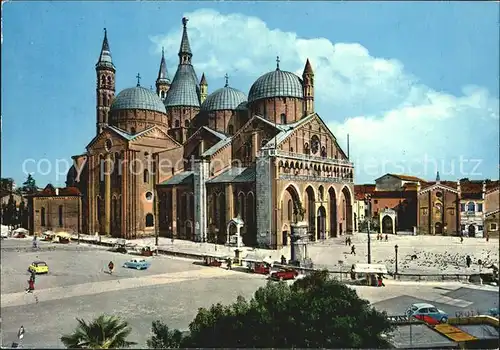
x=184 y=90
x=235 y=175
x=163 y=72
x=185 y=177
x=138 y=98
x=226 y=98
x=277 y=83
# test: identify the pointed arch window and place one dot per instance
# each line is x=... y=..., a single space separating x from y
x=283 y=118
x=103 y=79
x=42 y=217
x=290 y=210
x=146 y=176
x=149 y=220
x=60 y=216
x=109 y=80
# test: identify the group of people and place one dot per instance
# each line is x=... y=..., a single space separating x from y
x=380 y=237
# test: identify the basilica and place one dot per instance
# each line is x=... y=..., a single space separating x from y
x=189 y=163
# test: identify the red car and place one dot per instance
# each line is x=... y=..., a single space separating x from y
x=260 y=268
x=285 y=274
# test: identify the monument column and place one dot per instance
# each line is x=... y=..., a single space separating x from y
x=107 y=195
x=174 y=212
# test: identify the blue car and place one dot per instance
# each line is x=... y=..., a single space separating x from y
x=139 y=264
x=493 y=312
x=427 y=313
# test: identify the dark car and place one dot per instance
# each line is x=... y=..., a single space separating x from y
x=284 y=274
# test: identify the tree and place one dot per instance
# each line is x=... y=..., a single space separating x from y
x=10 y=214
x=22 y=215
x=29 y=186
x=315 y=312
x=104 y=332
x=163 y=337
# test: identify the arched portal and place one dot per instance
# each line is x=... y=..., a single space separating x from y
x=387 y=224
x=333 y=211
x=472 y=231
x=321 y=223
x=311 y=212
x=346 y=211
x=290 y=199
x=438 y=228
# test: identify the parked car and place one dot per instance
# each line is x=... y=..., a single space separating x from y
x=38 y=267
x=284 y=274
x=427 y=313
x=139 y=264
x=493 y=312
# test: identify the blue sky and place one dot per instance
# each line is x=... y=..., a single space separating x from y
x=408 y=81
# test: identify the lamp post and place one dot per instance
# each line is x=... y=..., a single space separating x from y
x=396 y=251
x=367 y=217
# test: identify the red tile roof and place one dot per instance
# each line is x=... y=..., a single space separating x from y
x=50 y=191
x=452 y=184
x=408 y=177
x=361 y=190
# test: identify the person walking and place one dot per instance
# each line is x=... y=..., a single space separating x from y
x=111 y=267
x=283 y=260
x=468 y=260
x=31 y=286
x=346 y=241
x=353 y=250
x=229 y=263
x=386 y=237
x=462 y=238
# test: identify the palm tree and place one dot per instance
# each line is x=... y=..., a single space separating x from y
x=104 y=332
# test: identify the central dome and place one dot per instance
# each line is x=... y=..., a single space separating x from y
x=277 y=83
x=225 y=98
x=138 y=98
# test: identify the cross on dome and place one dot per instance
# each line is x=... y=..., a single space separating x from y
x=277 y=62
x=227 y=80
x=138 y=76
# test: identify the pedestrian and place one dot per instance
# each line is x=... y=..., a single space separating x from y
x=461 y=239
x=229 y=263
x=283 y=260
x=20 y=333
x=111 y=267
x=353 y=250
x=346 y=241
x=349 y=240
x=487 y=237
x=386 y=238
x=31 y=286
x=33 y=275
x=468 y=260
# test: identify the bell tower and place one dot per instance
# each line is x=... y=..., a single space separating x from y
x=105 y=91
x=308 y=87
x=163 y=81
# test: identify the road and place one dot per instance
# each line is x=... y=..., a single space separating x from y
x=172 y=290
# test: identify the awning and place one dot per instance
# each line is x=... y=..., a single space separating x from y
x=370 y=268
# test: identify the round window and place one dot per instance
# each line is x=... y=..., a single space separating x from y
x=108 y=144
x=149 y=196
x=439 y=194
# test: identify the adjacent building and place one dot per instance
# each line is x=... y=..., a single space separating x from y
x=185 y=163
x=492 y=210
x=55 y=209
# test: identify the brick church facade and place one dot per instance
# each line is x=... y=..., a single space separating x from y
x=180 y=162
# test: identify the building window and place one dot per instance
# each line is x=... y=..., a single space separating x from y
x=315 y=144
x=375 y=201
x=480 y=227
x=493 y=226
x=439 y=194
x=290 y=210
x=480 y=207
x=471 y=206
x=283 y=118
x=149 y=220
x=263 y=143
x=60 y=216
x=146 y=176
x=462 y=207
x=177 y=123
x=42 y=217
x=149 y=196
x=306 y=148
x=186 y=123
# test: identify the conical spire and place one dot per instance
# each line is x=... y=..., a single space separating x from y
x=203 y=80
x=185 y=53
x=105 y=56
x=438 y=179
x=308 y=69
x=163 y=72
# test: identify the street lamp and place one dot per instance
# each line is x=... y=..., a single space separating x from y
x=368 y=198
x=396 y=251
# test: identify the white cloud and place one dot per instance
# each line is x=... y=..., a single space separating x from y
x=390 y=116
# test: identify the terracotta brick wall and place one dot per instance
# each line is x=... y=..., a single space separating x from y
x=71 y=207
x=138 y=120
